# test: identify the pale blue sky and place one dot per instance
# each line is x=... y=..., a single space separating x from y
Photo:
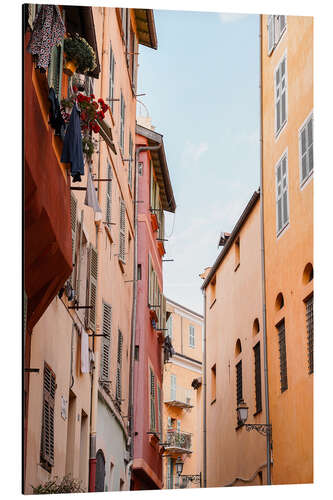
x=203 y=96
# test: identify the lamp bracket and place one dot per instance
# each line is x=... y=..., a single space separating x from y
x=263 y=429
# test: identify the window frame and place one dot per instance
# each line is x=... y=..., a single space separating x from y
x=257 y=377
x=191 y=338
x=277 y=68
x=272 y=20
x=279 y=231
x=282 y=352
x=309 y=174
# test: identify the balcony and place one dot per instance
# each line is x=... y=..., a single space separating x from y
x=180 y=397
x=178 y=442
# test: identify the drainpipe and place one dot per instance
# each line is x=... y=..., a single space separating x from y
x=204 y=397
x=262 y=249
x=134 y=302
x=96 y=347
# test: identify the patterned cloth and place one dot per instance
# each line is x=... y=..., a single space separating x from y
x=48 y=31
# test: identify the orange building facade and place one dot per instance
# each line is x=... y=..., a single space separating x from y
x=235 y=357
x=287 y=164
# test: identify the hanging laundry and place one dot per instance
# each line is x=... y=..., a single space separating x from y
x=56 y=119
x=85 y=362
x=72 y=148
x=48 y=31
x=91 y=198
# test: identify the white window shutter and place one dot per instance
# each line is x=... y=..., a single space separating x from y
x=279 y=197
x=310 y=145
x=277 y=99
x=173 y=387
x=122 y=231
x=109 y=194
x=285 y=190
x=119 y=365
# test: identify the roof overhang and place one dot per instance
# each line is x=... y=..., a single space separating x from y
x=145 y=25
x=253 y=200
x=80 y=20
x=160 y=167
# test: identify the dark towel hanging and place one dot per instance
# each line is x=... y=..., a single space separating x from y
x=56 y=119
x=72 y=148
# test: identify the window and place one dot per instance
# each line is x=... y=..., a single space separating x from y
x=309 y=328
x=257 y=376
x=130 y=152
x=122 y=122
x=119 y=365
x=47 y=440
x=139 y=277
x=237 y=253
x=122 y=231
x=173 y=387
x=54 y=74
x=100 y=471
x=191 y=336
x=283 y=355
x=109 y=195
x=178 y=425
x=281 y=95
x=239 y=382
x=213 y=384
x=92 y=288
x=106 y=341
x=306 y=149
x=282 y=203
x=276 y=26
x=111 y=78
x=169 y=327
x=152 y=401
x=140 y=167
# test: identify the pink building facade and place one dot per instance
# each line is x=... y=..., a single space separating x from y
x=155 y=195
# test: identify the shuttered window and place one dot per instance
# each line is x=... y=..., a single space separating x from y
x=271 y=35
x=92 y=288
x=191 y=336
x=283 y=356
x=111 y=78
x=122 y=121
x=282 y=202
x=309 y=327
x=122 y=231
x=47 y=441
x=169 y=326
x=106 y=343
x=257 y=376
x=306 y=149
x=108 y=195
x=173 y=387
x=152 y=401
x=74 y=230
x=159 y=409
x=130 y=162
x=281 y=95
x=119 y=365
x=239 y=382
x=280 y=26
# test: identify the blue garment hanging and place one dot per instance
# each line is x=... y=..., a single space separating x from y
x=72 y=148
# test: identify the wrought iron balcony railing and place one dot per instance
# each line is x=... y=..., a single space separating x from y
x=177 y=441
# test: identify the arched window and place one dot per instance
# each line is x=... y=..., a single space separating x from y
x=279 y=302
x=100 y=471
x=256 y=327
x=238 y=348
x=308 y=273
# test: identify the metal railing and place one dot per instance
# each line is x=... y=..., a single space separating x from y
x=180 y=440
x=181 y=395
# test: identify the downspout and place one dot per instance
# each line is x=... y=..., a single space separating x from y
x=95 y=372
x=262 y=250
x=204 y=397
x=134 y=302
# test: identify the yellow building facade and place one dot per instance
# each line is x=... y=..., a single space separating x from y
x=287 y=166
x=181 y=413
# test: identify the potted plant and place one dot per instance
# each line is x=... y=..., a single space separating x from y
x=80 y=56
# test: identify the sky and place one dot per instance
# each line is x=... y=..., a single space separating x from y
x=202 y=94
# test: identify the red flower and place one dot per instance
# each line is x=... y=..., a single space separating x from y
x=75 y=89
x=92 y=96
x=83 y=115
x=100 y=100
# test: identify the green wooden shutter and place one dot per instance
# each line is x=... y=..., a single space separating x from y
x=111 y=77
x=55 y=68
x=105 y=354
x=93 y=273
x=108 y=195
x=159 y=408
x=47 y=441
x=130 y=152
x=122 y=231
x=152 y=402
x=74 y=232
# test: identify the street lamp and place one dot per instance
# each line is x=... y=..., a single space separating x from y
x=193 y=478
x=242 y=414
x=179 y=466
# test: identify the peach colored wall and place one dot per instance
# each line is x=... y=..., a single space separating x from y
x=287 y=255
x=185 y=371
x=232 y=306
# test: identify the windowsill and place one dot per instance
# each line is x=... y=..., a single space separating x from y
x=306 y=181
x=281 y=129
x=282 y=231
x=237 y=266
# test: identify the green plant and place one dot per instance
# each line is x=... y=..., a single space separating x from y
x=65 y=485
x=88 y=146
x=78 y=50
